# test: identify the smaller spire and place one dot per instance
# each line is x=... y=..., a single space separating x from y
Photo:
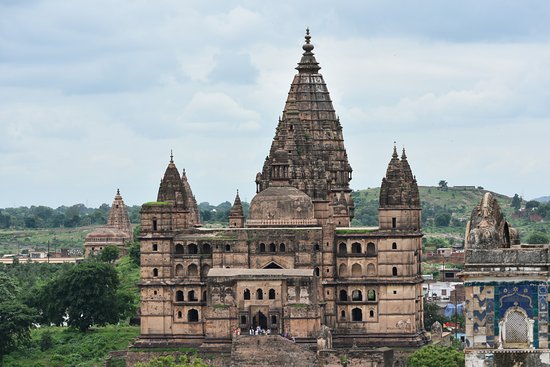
x=403 y=156
x=394 y=155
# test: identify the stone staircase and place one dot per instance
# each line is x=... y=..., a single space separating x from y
x=273 y=350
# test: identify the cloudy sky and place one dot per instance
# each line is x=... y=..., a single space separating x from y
x=94 y=94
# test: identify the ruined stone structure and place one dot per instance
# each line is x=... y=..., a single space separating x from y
x=506 y=286
x=117 y=231
x=294 y=265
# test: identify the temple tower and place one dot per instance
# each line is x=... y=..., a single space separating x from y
x=310 y=135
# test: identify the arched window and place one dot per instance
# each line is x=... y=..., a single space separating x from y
x=282 y=247
x=273 y=320
x=356 y=270
x=204 y=296
x=371 y=295
x=179 y=315
x=192 y=270
x=342 y=249
x=206 y=248
x=155 y=224
x=155 y=247
x=356 y=314
x=262 y=247
x=179 y=296
x=316 y=247
x=343 y=270
x=179 y=249
x=371 y=270
x=356 y=295
x=272 y=247
x=317 y=271
x=356 y=248
x=246 y=294
x=272 y=293
x=179 y=270
x=371 y=313
x=394 y=271
x=371 y=249
x=394 y=246
x=343 y=295
x=205 y=270
x=227 y=248
x=155 y=272
x=342 y=315
x=259 y=294
x=192 y=315
x=191 y=296
x=193 y=249
x=516 y=328
x=243 y=319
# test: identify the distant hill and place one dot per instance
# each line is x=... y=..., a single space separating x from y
x=458 y=201
x=543 y=199
x=454 y=204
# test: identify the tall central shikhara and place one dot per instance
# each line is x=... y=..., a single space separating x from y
x=308 y=148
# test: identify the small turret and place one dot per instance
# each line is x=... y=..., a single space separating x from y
x=236 y=213
x=399 y=197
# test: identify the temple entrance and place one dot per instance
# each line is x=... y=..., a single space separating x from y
x=260 y=320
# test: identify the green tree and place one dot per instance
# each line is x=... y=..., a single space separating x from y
x=538 y=238
x=436 y=356
x=87 y=293
x=516 y=202
x=432 y=313
x=109 y=254
x=16 y=320
x=531 y=204
x=443 y=185
x=442 y=219
x=135 y=253
x=169 y=361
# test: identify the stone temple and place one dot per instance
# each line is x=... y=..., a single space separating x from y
x=294 y=265
x=117 y=232
x=506 y=285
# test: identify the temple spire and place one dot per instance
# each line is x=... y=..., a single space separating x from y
x=308 y=64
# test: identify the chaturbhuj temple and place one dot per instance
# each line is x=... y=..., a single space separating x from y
x=294 y=265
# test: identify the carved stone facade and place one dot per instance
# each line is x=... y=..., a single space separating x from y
x=294 y=265
x=506 y=285
x=117 y=232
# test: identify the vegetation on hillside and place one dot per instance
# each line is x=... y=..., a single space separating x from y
x=436 y=356
x=446 y=210
x=62 y=346
x=82 y=296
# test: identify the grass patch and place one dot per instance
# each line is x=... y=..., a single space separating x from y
x=154 y=203
x=72 y=348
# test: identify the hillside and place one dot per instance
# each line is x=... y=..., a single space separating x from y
x=445 y=212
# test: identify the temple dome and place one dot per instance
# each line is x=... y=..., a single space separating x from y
x=281 y=205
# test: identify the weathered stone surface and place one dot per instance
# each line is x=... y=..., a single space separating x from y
x=487 y=228
x=118 y=231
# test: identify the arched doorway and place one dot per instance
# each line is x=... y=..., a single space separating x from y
x=259 y=320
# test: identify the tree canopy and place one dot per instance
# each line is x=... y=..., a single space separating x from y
x=16 y=319
x=436 y=356
x=169 y=361
x=109 y=254
x=86 y=293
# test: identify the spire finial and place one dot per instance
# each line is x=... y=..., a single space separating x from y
x=307 y=47
x=394 y=155
x=118 y=191
x=403 y=156
x=171 y=156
